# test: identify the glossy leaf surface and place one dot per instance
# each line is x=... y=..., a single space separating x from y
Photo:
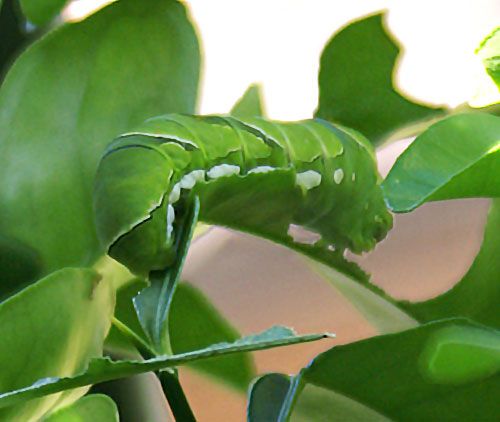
x=356 y=82
x=52 y=328
x=458 y=157
x=92 y=408
x=100 y=370
x=406 y=376
x=66 y=97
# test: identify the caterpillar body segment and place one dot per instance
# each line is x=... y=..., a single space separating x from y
x=249 y=174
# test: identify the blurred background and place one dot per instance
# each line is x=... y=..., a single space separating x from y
x=278 y=43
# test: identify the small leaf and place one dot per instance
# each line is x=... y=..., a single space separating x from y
x=250 y=104
x=489 y=52
x=103 y=369
x=92 y=408
x=266 y=396
x=458 y=157
x=356 y=87
x=388 y=377
x=153 y=303
x=52 y=329
x=41 y=12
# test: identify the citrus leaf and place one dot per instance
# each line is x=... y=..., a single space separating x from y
x=92 y=408
x=356 y=82
x=66 y=97
x=489 y=52
x=250 y=104
x=446 y=370
x=194 y=324
x=458 y=157
x=52 y=328
x=104 y=369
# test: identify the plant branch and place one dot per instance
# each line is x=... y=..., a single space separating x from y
x=176 y=398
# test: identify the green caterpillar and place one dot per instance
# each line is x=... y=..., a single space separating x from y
x=250 y=174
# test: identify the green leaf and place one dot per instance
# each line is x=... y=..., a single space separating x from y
x=52 y=329
x=356 y=82
x=41 y=12
x=104 y=369
x=92 y=408
x=66 y=97
x=266 y=396
x=116 y=342
x=446 y=370
x=378 y=308
x=477 y=294
x=250 y=104
x=195 y=324
x=458 y=157
x=153 y=303
x=314 y=403
x=489 y=52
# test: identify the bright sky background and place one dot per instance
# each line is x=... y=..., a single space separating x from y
x=278 y=43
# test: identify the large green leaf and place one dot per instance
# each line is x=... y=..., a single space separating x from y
x=92 y=408
x=356 y=82
x=250 y=104
x=41 y=12
x=446 y=371
x=458 y=157
x=477 y=294
x=194 y=324
x=104 y=369
x=52 y=329
x=66 y=97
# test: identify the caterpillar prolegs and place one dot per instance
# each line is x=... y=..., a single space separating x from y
x=250 y=174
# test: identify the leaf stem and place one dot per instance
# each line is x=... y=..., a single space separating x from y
x=176 y=398
x=144 y=349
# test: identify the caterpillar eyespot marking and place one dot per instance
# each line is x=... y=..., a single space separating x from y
x=250 y=174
